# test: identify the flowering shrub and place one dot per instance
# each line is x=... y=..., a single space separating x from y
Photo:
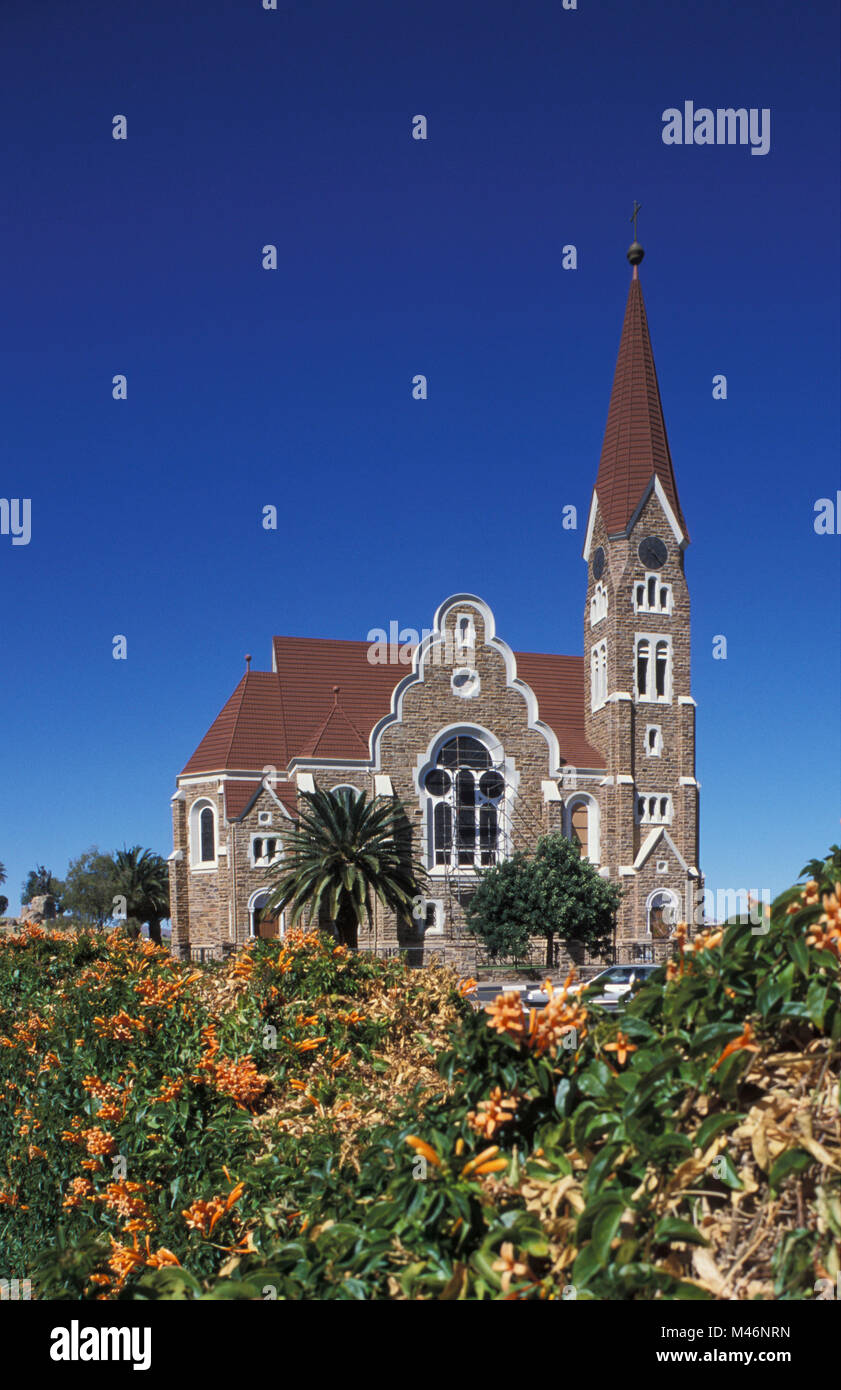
x=311 y=1123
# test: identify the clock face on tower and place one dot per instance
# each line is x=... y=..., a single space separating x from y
x=652 y=552
x=598 y=563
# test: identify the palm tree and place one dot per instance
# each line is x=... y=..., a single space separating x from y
x=142 y=878
x=2 y=873
x=344 y=853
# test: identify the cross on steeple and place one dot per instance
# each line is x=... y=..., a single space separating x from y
x=633 y=217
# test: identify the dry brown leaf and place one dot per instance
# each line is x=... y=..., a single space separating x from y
x=709 y=1274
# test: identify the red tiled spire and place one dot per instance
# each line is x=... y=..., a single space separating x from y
x=635 y=442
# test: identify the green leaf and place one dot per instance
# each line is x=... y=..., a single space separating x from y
x=601 y=1167
x=605 y=1227
x=799 y=952
x=816 y=1000
x=562 y=1094
x=595 y=1080
x=713 y=1125
x=672 y=1228
x=729 y=1175
x=792 y=1161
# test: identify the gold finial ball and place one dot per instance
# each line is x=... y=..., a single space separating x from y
x=635 y=253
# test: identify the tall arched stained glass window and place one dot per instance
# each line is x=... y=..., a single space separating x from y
x=464 y=791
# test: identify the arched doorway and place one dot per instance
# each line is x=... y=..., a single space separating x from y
x=662 y=914
x=262 y=923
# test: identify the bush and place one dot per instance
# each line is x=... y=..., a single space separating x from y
x=309 y=1123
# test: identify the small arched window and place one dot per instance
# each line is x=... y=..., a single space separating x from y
x=346 y=787
x=582 y=825
x=207 y=835
x=598 y=604
x=662 y=914
x=598 y=675
x=654 y=810
x=652 y=596
x=202 y=834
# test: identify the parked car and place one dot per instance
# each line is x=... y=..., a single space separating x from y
x=608 y=987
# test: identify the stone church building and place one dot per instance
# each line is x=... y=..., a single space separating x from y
x=486 y=748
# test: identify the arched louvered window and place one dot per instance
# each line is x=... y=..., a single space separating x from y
x=662 y=670
x=643 y=661
x=654 y=668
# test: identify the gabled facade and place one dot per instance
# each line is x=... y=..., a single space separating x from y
x=486 y=749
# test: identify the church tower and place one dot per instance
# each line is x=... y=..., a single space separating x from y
x=639 y=710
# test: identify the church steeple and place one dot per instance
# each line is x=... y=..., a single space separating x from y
x=635 y=447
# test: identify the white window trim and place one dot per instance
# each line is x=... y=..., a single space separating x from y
x=594 y=848
x=262 y=862
x=658 y=818
x=252 y=907
x=197 y=864
x=657 y=750
x=464 y=632
x=499 y=763
x=664 y=609
x=438 y=928
x=598 y=603
x=653 y=638
x=675 y=903
x=598 y=674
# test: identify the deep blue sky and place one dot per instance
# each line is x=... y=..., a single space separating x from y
x=247 y=387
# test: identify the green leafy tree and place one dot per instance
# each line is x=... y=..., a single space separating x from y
x=4 y=903
x=344 y=853
x=142 y=878
x=40 y=882
x=553 y=894
x=2 y=873
x=825 y=872
x=90 y=887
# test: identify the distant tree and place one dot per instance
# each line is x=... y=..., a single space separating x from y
x=2 y=873
x=89 y=888
x=142 y=878
x=40 y=882
x=345 y=852
x=551 y=894
x=4 y=903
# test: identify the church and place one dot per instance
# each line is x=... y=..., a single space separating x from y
x=484 y=747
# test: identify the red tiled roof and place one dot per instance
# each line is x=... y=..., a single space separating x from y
x=558 y=683
x=335 y=737
x=250 y=730
x=296 y=712
x=239 y=795
x=635 y=443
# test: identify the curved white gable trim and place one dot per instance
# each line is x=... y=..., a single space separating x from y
x=512 y=679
